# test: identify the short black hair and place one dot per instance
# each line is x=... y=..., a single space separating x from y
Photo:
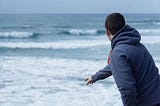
x=114 y=22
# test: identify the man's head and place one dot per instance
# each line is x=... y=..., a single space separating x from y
x=114 y=22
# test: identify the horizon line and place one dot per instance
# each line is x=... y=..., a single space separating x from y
x=79 y=13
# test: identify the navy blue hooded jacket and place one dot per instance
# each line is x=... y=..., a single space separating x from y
x=133 y=69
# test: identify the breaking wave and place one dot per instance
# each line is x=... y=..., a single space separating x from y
x=83 y=32
x=16 y=34
x=102 y=32
x=53 y=45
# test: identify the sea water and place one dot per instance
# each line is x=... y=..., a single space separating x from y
x=45 y=57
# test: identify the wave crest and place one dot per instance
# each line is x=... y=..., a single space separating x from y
x=53 y=45
x=17 y=27
x=83 y=32
x=16 y=34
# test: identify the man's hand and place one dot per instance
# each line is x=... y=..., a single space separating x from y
x=89 y=80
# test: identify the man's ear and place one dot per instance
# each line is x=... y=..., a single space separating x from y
x=108 y=32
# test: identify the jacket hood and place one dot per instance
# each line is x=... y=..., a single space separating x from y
x=126 y=35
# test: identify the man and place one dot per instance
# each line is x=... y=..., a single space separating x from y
x=131 y=65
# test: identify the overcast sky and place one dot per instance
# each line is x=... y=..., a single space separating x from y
x=79 y=6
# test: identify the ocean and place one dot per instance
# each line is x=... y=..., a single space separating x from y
x=45 y=57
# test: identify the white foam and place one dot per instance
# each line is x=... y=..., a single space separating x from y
x=149 y=31
x=71 y=44
x=35 y=65
x=151 y=39
x=82 y=31
x=16 y=34
x=55 y=45
x=156 y=23
x=44 y=81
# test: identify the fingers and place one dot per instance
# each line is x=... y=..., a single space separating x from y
x=89 y=80
x=87 y=83
x=86 y=78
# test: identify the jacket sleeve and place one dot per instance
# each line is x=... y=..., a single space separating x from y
x=102 y=74
x=122 y=73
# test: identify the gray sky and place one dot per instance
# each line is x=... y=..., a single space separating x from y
x=79 y=6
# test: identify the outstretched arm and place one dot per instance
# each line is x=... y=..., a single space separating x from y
x=101 y=74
